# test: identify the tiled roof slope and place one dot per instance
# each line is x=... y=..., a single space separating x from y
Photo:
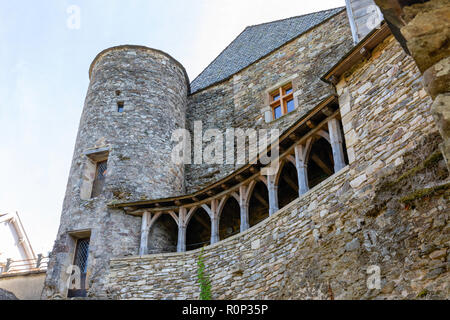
x=254 y=43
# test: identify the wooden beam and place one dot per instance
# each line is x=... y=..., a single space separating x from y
x=311 y=124
x=321 y=164
x=290 y=182
x=260 y=199
x=201 y=221
x=327 y=111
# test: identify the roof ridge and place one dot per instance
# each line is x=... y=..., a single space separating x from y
x=294 y=17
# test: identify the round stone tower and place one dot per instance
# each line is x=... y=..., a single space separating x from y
x=137 y=97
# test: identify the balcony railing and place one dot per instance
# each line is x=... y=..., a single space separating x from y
x=18 y=266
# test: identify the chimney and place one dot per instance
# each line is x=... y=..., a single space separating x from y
x=364 y=16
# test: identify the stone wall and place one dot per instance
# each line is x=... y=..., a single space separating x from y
x=241 y=102
x=388 y=208
x=25 y=286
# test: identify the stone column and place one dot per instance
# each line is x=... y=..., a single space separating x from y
x=243 y=203
x=273 y=194
x=422 y=30
x=181 y=244
x=335 y=133
x=302 y=169
x=144 y=233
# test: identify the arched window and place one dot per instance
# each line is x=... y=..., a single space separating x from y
x=198 y=231
x=163 y=235
x=230 y=219
x=258 y=204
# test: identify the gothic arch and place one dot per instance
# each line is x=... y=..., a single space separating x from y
x=163 y=234
x=287 y=183
x=229 y=217
x=319 y=160
x=198 y=228
x=258 y=203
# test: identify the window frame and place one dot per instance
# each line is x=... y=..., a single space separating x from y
x=90 y=170
x=120 y=106
x=283 y=99
x=75 y=238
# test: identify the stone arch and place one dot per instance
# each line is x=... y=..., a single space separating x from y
x=163 y=234
x=198 y=228
x=258 y=203
x=319 y=160
x=229 y=218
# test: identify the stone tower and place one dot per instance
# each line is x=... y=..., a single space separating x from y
x=137 y=97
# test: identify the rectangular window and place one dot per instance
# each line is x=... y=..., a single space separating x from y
x=82 y=254
x=282 y=101
x=80 y=260
x=99 y=181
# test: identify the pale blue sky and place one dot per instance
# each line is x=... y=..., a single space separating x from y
x=44 y=77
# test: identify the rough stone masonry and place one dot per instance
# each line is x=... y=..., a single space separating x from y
x=387 y=207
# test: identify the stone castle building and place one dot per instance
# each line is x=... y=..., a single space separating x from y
x=361 y=189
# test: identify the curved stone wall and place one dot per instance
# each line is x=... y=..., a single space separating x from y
x=152 y=88
x=385 y=216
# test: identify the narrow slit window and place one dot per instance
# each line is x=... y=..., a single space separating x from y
x=99 y=180
x=282 y=101
x=120 y=106
x=80 y=260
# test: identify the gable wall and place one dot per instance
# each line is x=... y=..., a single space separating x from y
x=240 y=102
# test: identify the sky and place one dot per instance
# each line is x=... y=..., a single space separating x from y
x=46 y=48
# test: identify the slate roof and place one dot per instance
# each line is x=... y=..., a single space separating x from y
x=256 y=42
